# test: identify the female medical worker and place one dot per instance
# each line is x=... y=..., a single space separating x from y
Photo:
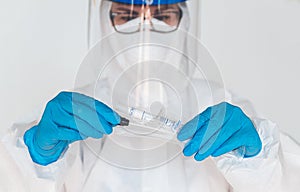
x=56 y=153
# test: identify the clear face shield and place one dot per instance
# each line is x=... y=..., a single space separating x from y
x=146 y=66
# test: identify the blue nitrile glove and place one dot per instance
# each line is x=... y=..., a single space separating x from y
x=67 y=118
x=218 y=130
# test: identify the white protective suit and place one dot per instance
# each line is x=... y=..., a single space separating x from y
x=100 y=165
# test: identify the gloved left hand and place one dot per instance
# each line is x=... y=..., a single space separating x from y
x=67 y=118
x=218 y=130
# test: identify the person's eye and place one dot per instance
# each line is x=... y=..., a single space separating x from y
x=127 y=17
x=162 y=17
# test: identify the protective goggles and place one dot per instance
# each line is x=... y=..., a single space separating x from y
x=132 y=18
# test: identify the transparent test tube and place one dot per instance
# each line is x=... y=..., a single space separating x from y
x=146 y=117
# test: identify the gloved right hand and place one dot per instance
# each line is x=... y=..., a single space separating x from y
x=67 y=118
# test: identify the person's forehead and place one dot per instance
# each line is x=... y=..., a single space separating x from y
x=138 y=8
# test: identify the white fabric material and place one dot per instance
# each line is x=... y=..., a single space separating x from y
x=275 y=169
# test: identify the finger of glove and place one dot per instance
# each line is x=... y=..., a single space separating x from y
x=52 y=155
x=86 y=129
x=108 y=114
x=224 y=122
x=220 y=136
x=205 y=146
x=231 y=144
x=227 y=131
x=67 y=100
x=219 y=129
x=68 y=120
x=190 y=128
x=253 y=142
x=83 y=113
x=200 y=157
x=194 y=144
x=93 y=118
x=245 y=136
x=103 y=110
x=70 y=135
x=238 y=135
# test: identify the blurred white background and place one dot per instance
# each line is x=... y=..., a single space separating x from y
x=256 y=44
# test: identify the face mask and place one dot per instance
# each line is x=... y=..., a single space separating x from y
x=137 y=25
